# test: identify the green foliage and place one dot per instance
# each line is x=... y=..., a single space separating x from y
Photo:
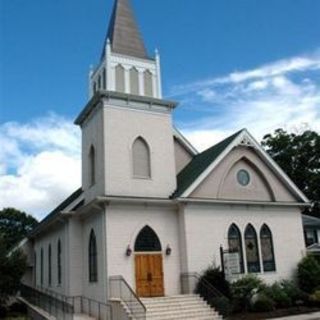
x=263 y=304
x=315 y=297
x=299 y=156
x=12 y=268
x=309 y=274
x=244 y=289
x=14 y=226
x=278 y=295
x=215 y=278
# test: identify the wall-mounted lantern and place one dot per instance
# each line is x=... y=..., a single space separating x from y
x=128 y=251
x=168 y=250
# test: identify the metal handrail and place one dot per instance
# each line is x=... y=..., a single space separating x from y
x=57 y=304
x=117 y=292
x=211 y=293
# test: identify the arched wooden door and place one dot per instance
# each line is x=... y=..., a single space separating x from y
x=148 y=264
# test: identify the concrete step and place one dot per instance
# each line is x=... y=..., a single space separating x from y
x=182 y=307
x=81 y=316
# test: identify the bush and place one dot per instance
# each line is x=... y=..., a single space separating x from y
x=18 y=307
x=309 y=274
x=216 y=278
x=293 y=292
x=263 y=304
x=222 y=304
x=315 y=298
x=3 y=312
x=278 y=295
x=244 y=289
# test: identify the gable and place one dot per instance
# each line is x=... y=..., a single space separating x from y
x=264 y=185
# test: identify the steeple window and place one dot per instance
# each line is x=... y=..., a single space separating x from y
x=120 y=79
x=148 y=84
x=134 y=81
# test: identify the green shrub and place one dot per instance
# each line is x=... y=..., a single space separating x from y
x=222 y=304
x=315 y=298
x=263 y=304
x=278 y=295
x=309 y=274
x=216 y=279
x=297 y=296
x=244 y=289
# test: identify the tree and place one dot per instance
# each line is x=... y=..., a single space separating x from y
x=299 y=156
x=12 y=268
x=14 y=226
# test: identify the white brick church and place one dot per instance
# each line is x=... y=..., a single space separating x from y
x=152 y=208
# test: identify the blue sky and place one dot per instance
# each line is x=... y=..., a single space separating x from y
x=230 y=64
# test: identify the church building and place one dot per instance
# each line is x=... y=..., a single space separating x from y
x=152 y=212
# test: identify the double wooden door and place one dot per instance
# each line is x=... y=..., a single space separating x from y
x=149 y=275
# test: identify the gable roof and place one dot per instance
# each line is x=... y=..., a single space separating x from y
x=199 y=164
x=123 y=32
x=310 y=221
x=204 y=163
x=54 y=213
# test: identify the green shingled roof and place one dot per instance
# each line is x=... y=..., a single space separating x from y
x=199 y=164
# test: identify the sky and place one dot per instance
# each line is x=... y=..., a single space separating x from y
x=229 y=63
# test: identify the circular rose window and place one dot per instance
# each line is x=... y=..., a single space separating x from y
x=243 y=177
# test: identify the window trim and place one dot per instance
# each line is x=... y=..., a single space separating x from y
x=59 y=264
x=134 y=175
x=273 y=261
x=258 y=262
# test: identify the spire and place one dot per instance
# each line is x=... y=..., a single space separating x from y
x=123 y=31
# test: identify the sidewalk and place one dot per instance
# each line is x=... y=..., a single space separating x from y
x=309 y=316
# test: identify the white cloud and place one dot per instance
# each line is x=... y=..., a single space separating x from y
x=39 y=163
x=284 y=93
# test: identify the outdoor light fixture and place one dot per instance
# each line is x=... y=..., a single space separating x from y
x=168 y=250
x=128 y=251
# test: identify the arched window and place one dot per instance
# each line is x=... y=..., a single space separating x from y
x=134 y=81
x=49 y=266
x=92 y=166
x=41 y=267
x=59 y=262
x=252 y=250
x=235 y=243
x=104 y=79
x=35 y=270
x=141 y=159
x=148 y=83
x=147 y=241
x=120 y=80
x=267 y=249
x=94 y=89
x=93 y=263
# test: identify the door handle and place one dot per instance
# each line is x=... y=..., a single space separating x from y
x=149 y=276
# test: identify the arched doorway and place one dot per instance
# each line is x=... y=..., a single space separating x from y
x=148 y=264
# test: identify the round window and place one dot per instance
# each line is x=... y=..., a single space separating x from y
x=243 y=177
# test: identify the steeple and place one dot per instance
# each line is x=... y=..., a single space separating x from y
x=123 y=32
x=125 y=66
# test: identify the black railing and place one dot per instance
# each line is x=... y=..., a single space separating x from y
x=194 y=283
x=120 y=289
x=64 y=307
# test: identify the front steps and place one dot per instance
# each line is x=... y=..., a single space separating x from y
x=183 y=307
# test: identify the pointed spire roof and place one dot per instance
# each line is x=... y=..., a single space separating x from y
x=123 y=31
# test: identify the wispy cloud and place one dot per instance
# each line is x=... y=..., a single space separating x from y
x=39 y=163
x=283 y=93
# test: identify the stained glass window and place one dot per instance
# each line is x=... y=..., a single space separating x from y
x=235 y=243
x=252 y=251
x=267 y=249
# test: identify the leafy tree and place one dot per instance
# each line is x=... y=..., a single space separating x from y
x=12 y=268
x=299 y=156
x=14 y=226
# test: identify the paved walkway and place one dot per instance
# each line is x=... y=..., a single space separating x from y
x=309 y=316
